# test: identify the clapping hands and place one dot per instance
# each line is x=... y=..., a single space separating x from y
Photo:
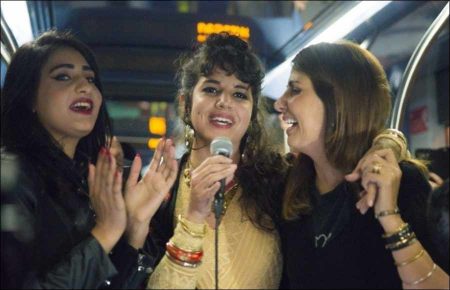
x=132 y=210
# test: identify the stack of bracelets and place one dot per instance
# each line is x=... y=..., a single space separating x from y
x=191 y=258
x=398 y=138
x=402 y=238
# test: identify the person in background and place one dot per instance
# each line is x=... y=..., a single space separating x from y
x=54 y=120
x=335 y=234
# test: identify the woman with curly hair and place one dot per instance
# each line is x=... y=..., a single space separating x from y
x=220 y=96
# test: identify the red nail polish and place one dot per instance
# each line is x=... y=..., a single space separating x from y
x=103 y=151
x=137 y=155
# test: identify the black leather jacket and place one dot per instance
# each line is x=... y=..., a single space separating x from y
x=61 y=251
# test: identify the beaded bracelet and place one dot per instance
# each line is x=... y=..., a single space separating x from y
x=428 y=275
x=409 y=261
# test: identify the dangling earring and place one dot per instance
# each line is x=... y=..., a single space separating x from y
x=188 y=136
x=244 y=148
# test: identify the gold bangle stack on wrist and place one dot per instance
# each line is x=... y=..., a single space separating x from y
x=191 y=228
x=400 y=239
x=398 y=138
x=184 y=248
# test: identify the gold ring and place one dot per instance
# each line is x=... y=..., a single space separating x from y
x=376 y=168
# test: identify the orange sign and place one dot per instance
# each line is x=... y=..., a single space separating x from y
x=204 y=29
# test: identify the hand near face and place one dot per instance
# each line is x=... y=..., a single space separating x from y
x=380 y=178
x=144 y=197
x=105 y=193
x=205 y=182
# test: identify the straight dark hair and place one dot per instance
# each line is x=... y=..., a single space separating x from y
x=352 y=84
x=21 y=130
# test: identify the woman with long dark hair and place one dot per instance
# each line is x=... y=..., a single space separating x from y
x=54 y=119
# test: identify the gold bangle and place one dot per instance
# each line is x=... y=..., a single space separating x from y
x=404 y=263
x=400 y=141
x=394 y=133
x=399 y=229
x=420 y=280
x=186 y=228
x=401 y=244
x=182 y=263
x=397 y=133
x=387 y=212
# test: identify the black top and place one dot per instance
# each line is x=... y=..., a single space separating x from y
x=161 y=225
x=337 y=247
x=61 y=251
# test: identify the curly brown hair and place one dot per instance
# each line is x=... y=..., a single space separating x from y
x=261 y=173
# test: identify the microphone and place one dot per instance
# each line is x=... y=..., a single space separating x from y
x=220 y=146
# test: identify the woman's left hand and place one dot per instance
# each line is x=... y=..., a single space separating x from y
x=143 y=198
x=380 y=178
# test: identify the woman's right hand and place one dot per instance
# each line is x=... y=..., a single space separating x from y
x=205 y=182
x=105 y=193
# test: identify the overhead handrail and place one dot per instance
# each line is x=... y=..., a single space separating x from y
x=7 y=37
x=414 y=62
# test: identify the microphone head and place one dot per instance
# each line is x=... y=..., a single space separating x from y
x=221 y=146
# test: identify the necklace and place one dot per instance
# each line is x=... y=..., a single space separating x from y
x=230 y=189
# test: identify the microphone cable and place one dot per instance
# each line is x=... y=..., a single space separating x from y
x=218 y=207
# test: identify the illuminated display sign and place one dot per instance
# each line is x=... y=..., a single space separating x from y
x=153 y=143
x=157 y=125
x=206 y=28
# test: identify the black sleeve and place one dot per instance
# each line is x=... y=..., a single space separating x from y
x=161 y=230
x=378 y=262
x=414 y=196
x=134 y=266
x=86 y=265
x=412 y=200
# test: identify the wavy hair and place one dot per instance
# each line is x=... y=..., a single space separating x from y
x=261 y=172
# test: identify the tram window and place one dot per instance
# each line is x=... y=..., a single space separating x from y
x=394 y=45
x=426 y=118
x=131 y=124
x=425 y=121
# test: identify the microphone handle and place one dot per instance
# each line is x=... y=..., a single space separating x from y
x=219 y=200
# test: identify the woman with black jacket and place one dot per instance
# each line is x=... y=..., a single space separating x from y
x=55 y=121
